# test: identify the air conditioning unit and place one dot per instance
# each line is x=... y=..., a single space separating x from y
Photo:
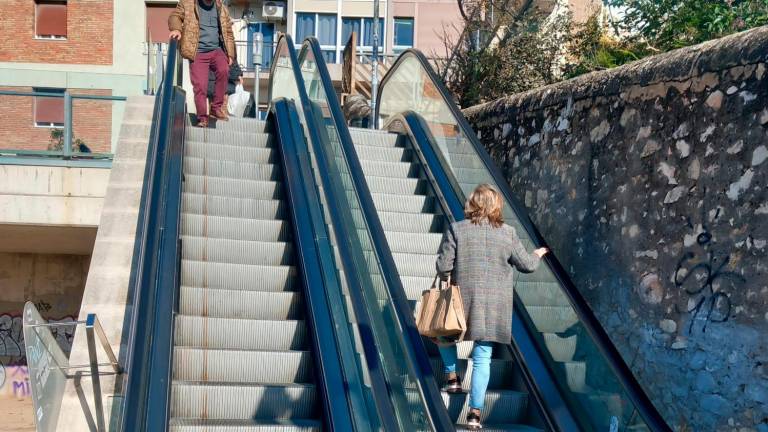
x=273 y=11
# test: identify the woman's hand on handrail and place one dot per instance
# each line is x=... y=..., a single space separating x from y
x=540 y=252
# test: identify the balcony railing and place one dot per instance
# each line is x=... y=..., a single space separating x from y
x=86 y=137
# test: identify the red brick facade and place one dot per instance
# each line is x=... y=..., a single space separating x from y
x=92 y=122
x=89 y=34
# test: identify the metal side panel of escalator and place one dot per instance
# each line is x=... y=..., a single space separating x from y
x=231 y=331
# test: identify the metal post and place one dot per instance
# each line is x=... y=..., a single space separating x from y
x=375 y=64
x=159 y=68
x=258 y=45
x=67 y=150
x=98 y=405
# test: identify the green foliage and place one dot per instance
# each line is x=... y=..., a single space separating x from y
x=592 y=49
x=57 y=141
x=670 y=24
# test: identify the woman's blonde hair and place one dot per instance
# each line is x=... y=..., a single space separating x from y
x=484 y=204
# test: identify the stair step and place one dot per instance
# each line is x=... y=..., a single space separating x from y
x=232 y=153
x=220 y=303
x=386 y=154
x=238 y=276
x=374 y=137
x=234 y=188
x=390 y=169
x=239 y=125
x=195 y=399
x=202 y=225
x=240 y=366
x=541 y=293
x=223 y=333
x=242 y=208
x=409 y=222
x=397 y=186
x=501 y=406
x=276 y=425
x=229 y=169
x=560 y=348
x=252 y=138
x=502 y=373
x=415 y=285
x=409 y=264
x=236 y=251
x=552 y=319
x=414 y=242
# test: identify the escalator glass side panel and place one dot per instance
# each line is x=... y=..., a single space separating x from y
x=590 y=374
x=392 y=356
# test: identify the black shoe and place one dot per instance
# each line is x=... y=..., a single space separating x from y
x=453 y=386
x=473 y=421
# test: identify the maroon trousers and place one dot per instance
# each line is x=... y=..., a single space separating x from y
x=217 y=62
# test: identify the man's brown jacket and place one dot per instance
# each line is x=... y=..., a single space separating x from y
x=186 y=20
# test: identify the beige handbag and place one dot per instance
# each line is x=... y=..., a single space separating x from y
x=441 y=313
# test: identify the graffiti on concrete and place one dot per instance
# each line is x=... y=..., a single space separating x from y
x=706 y=280
x=12 y=337
x=14 y=381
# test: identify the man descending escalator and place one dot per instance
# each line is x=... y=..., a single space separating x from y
x=205 y=31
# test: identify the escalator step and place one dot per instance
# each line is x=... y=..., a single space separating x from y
x=416 y=243
x=238 y=276
x=502 y=373
x=235 y=228
x=231 y=137
x=391 y=202
x=237 y=251
x=412 y=223
x=552 y=319
x=207 y=425
x=385 y=154
x=415 y=264
x=541 y=293
x=234 y=188
x=374 y=137
x=398 y=186
x=233 y=207
x=230 y=153
x=561 y=348
x=390 y=169
x=233 y=366
x=229 y=169
x=220 y=303
x=239 y=334
x=196 y=399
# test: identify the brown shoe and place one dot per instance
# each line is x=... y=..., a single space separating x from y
x=220 y=114
x=202 y=122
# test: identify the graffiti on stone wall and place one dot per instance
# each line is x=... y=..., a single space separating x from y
x=12 y=337
x=704 y=276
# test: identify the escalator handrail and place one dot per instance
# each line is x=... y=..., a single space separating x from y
x=413 y=348
x=537 y=375
x=379 y=389
x=621 y=370
x=146 y=268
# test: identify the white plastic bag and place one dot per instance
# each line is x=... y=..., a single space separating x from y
x=237 y=101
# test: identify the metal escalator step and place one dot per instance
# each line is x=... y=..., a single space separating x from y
x=414 y=242
x=232 y=137
x=374 y=137
x=242 y=334
x=463 y=350
x=209 y=400
x=212 y=205
x=235 y=228
x=415 y=285
x=390 y=201
x=390 y=169
x=401 y=186
x=409 y=222
x=576 y=376
x=386 y=154
x=252 y=140
x=235 y=188
x=213 y=425
x=229 y=169
x=541 y=293
x=240 y=366
x=239 y=124
x=409 y=264
x=502 y=373
x=221 y=303
x=552 y=319
x=236 y=251
x=560 y=348
x=238 y=277
x=230 y=153
x=501 y=406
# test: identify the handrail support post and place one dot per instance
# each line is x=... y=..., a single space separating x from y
x=67 y=125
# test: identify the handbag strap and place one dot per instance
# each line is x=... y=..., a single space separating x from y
x=447 y=284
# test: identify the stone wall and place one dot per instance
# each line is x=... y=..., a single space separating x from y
x=649 y=182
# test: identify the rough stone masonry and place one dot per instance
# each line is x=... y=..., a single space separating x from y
x=649 y=182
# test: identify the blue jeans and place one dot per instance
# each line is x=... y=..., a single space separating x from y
x=481 y=369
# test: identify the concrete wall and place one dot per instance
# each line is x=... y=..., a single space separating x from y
x=649 y=181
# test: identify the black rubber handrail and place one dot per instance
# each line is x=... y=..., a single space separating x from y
x=379 y=387
x=621 y=370
x=414 y=349
x=155 y=267
x=314 y=254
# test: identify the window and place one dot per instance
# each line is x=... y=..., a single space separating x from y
x=321 y=26
x=157 y=22
x=49 y=111
x=365 y=38
x=403 y=34
x=50 y=19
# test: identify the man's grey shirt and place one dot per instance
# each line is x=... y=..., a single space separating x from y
x=209 y=27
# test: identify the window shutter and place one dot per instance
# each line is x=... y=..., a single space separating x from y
x=51 y=19
x=49 y=109
x=157 y=22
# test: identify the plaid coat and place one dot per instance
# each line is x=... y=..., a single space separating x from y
x=482 y=259
x=186 y=20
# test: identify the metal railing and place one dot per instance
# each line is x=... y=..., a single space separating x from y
x=60 y=149
x=49 y=367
